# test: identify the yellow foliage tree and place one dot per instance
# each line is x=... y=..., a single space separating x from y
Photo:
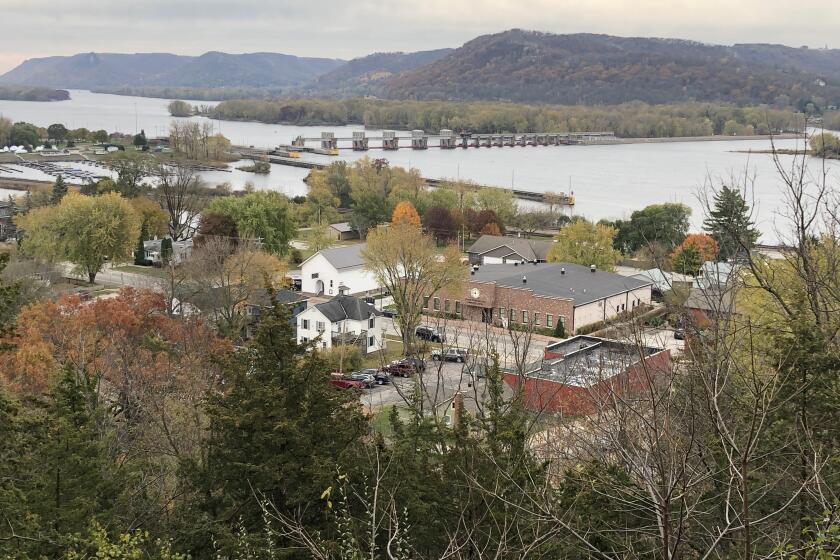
x=404 y=213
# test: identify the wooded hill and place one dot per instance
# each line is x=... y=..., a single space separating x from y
x=516 y=65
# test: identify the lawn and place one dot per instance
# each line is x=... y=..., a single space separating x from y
x=381 y=421
x=145 y=270
x=393 y=350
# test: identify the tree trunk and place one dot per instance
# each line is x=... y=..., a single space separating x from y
x=91 y=277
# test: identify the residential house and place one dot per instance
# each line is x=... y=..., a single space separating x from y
x=704 y=305
x=181 y=250
x=343 y=231
x=328 y=269
x=538 y=295
x=499 y=249
x=343 y=320
x=581 y=374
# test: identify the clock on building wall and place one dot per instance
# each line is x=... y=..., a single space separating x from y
x=475 y=293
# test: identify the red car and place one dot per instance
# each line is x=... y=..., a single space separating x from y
x=399 y=369
x=347 y=383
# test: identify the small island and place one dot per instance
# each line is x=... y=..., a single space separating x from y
x=26 y=93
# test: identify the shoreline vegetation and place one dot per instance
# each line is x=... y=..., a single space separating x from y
x=627 y=120
x=29 y=93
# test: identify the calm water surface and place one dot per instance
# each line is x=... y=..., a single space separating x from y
x=608 y=181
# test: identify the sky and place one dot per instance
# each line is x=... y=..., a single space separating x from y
x=350 y=28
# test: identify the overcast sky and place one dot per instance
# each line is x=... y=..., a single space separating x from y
x=349 y=28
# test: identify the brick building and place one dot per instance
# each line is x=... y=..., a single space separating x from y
x=578 y=375
x=539 y=295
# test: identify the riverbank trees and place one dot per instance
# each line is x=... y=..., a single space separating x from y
x=628 y=120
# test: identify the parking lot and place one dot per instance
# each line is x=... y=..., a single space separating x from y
x=440 y=381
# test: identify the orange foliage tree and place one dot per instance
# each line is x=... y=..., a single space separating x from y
x=696 y=249
x=404 y=212
x=125 y=344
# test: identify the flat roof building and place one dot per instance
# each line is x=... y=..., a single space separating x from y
x=578 y=375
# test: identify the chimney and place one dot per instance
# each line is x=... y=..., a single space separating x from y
x=342 y=290
x=593 y=268
x=562 y=271
x=524 y=279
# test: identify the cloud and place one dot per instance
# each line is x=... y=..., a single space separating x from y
x=342 y=28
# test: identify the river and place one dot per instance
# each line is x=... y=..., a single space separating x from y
x=609 y=181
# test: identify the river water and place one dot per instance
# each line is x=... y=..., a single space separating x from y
x=609 y=181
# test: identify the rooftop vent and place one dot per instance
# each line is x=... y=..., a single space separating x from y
x=524 y=279
x=515 y=264
x=593 y=268
x=562 y=271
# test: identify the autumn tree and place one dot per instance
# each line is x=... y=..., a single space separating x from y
x=132 y=168
x=215 y=224
x=696 y=249
x=87 y=231
x=500 y=201
x=263 y=216
x=406 y=263
x=585 y=243
x=225 y=277
x=404 y=212
x=440 y=224
x=153 y=219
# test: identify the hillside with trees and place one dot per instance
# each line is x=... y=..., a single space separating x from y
x=536 y=67
x=210 y=70
x=368 y=74
x=26 y=93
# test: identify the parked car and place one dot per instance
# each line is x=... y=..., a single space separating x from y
x=389 y=312
x=380 y=377
x=451 y=354
x=418 y=364
x=679 y=334
x=347 y=383
x=399 y=369
x=430 y=334
x=366 y=379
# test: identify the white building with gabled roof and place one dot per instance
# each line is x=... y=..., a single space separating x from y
x=325 y=271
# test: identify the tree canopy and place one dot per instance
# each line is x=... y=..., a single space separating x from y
x=730 y=224
x=264 y=215
x=585 y=243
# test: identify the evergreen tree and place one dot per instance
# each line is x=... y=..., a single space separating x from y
x=13 y=469
x=277 y=431
x=165 y=249
x=140 y=139
x=58 y=191
x=729 y=223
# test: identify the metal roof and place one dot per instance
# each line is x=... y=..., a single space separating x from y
x=578 y=283
x=342 y=257
x=343 y=227
x=528 y=249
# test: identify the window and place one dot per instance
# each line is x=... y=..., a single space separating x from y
x=371 y=322
x=426 y=302
x=324 y=344
x=446 y=306
x=513 y=315
x=458 y=308
x=370 y=341
x=315 y=275
x=524 y=317
x=319 y=326
x=303 y=339
x=304 y=324
x=549 y=320
x=563 y=321
x=437 y=304
x=536 y=318
x=502 y=313
x=331 y=283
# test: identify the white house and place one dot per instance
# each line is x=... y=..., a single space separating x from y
x=343 y=320
x=326 y=270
